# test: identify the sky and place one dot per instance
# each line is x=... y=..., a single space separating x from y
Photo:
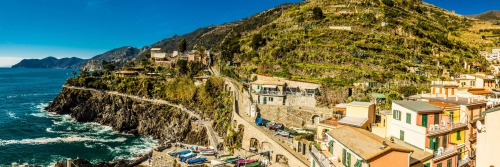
x=85 y=28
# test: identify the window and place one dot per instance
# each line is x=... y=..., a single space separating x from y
x=331 y=146
x=402 y=135
x=258 y=99
x=472 y=83
x=448 y=163
x=440 y=164
x=396 y=114
x=314 y=163
x=434 y=143
x=427 y=165
x=408 y=118
x=424 y=120
x=346 y=158
x=271 y=99
x=458 y=135
x=343 y=156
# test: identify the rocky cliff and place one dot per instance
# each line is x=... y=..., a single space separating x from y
x=129 y=115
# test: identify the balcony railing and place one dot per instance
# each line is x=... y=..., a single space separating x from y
x=445 y=83
x=269 y=92
x=322 y=159
x=476 y=117
x=464 y=161
x=473 y=137
x=439 y=129
x=445 y=153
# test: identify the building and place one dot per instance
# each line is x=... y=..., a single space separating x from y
x=324 y=127
x=353 y=147
x=157 y=55
x=269 y=92
x=279 y=91
x=487 y=139
x=359 y=114
x=127 y=73
x=435 y=127
x=479 y=80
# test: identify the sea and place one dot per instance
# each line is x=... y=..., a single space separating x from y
x=29 y=134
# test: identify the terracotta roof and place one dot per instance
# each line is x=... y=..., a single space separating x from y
x=480 y=92
x=363 y=143
x=418 y=154
x=262 y=82
x=330 y=122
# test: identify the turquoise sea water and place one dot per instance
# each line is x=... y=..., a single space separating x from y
x=29 y=134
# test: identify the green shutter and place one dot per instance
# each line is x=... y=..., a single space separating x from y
x=408 y=118
x=258 y=99
x=431 y=143
x=445 y=141
x=343 y=156
x=394 y=114
x=399 y=115
x=424 y=120
x=436 y=118
x=357 y=164
x=427 y=165
x=314 y=163
x=448 y=163
x=330 y=143
x=348 y=159
x=436 y=143
x=458 y=135
x=440 y=164
x=402 y=135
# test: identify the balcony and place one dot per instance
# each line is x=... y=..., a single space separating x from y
x=270 y=92
x=444 y=83
x=473 y=137
x=463 y=162
x=447 y=152
x=321 y=158
x=444 y=129
x=476 y=117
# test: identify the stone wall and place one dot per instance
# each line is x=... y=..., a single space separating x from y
x=293 y=116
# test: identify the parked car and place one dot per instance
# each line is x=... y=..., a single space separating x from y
x=283 y=133
x=270 y=124
x=277 y=126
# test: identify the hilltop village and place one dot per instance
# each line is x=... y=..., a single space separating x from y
x=273 y=121
x=320 y=83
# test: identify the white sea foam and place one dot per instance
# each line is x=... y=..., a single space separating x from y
x=69 y=139
x=12 y=115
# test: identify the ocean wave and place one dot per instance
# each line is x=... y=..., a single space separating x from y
x=70 y=139
x=31 y=95
x=139 y=147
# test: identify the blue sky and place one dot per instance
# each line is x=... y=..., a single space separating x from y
x=84 y=28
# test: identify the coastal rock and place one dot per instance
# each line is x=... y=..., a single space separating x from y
x=127 y=115
x=85 y=163
x=51 y=62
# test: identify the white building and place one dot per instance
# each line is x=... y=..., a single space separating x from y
x=487 y=139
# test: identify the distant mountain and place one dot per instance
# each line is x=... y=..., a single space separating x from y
x=118 y=56
x=50 y=62
x=493 y=15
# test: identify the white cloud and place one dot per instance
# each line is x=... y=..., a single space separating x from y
x=9 y=61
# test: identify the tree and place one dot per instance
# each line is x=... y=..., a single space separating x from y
x=318 y=13
x=388 y=2
x=257 y=41
x=182 y=45
x=182 y=65
x=109 y=67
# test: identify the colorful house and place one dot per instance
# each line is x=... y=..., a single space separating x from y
x=428 y=127
x=487 y=139
x=354 y=147
x=359 y=114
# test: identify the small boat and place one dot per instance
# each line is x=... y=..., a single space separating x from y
x=283 y=133
x=197 y=160
x=232 y=159
x=183 y=152
x=253 y=164
x=207 y=149
x=184 y=158
x=244 y=161
x=216 y=162
x=207 y=152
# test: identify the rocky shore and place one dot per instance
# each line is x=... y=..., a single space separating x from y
x=131 y=116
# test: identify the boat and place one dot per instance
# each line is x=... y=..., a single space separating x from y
x=232 y=159
x=283 y=133
x=197 y=160
x=184 y=158
x=174 y=153
x=244 y=161
x=207 y=152
x=253 y=164
x=216 y=162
